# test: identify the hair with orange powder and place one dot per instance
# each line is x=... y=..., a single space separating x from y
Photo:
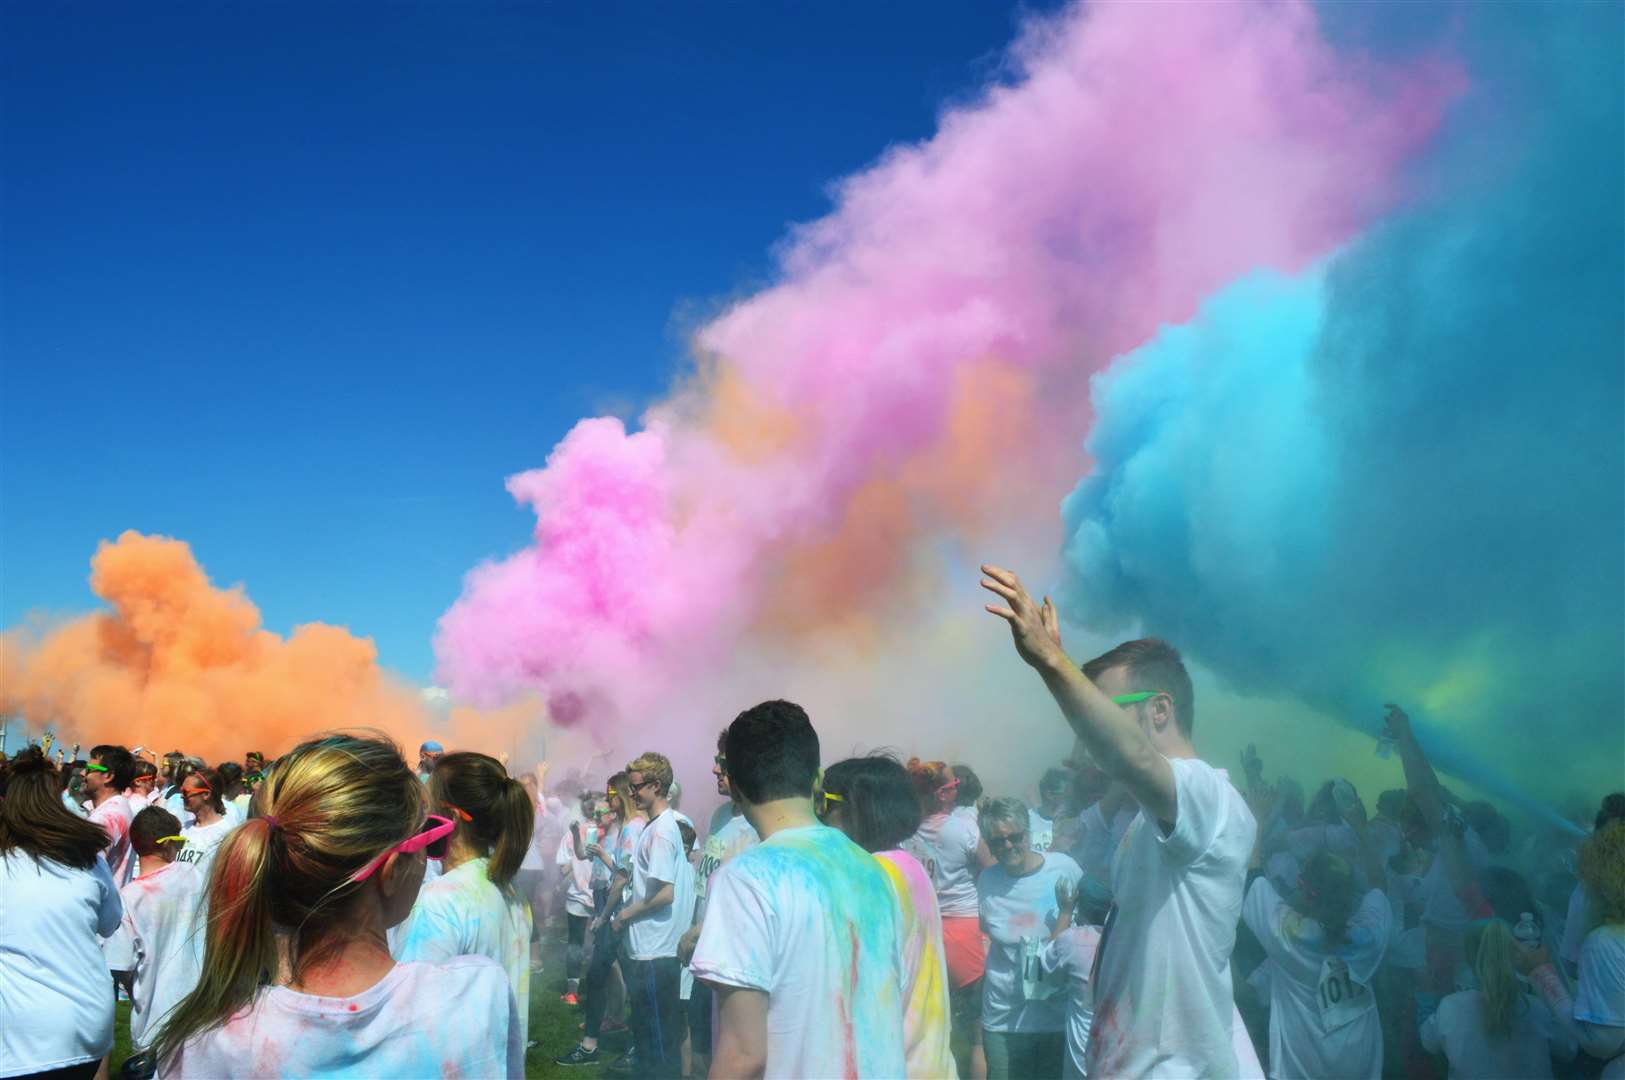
x=928 y=778
x=328 y=808
x=1602 y=871
x=500 y=814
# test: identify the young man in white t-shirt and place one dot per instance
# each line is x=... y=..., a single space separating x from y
x=802 y=940
x=110 y=771
x=1163 y=998
x=661 y=910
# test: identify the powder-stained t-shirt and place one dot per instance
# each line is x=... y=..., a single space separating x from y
x=1018 y=915
x=1456 y=1030
x=729 y=836
x=202 y=842
x=456 y=1019
x=660 y=860
x=626 y=846
x=163 y=920
x=1163 y=999
x=946 y=846
x=926 y=1010
x=810 y=919
x=56 y=1002
x=578 y=878
x=1072 y=954
x=114 y=816
x=1600 y=996
x=1323 y=1010
x=463 y=913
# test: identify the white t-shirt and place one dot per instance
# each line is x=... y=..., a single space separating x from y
x=115 y=816
x=457 y=1018
x=809 y=918
x=55 y=995
x=1323 y=1014
x=236 y=812
x=1600 y=996
x=1072 y=954
x=201 y=842
x=578 y=882
x=946 y=846
x=1163 y=998
x=462 y=913
x=1017 y=915
x=163 y=921
x=1097 y=840
x=966 y=813
x=1040 y=831
x=534 y=859
x=728 y=837
x=626 y=846
x=1456 y=1029
x=660 y=859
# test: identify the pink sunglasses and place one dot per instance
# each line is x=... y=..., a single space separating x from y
x=433 y=837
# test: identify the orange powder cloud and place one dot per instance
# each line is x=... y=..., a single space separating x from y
x=181 y=663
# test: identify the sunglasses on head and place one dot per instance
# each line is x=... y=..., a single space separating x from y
x=431 y=840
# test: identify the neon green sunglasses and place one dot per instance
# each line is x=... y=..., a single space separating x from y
x=1135 y=698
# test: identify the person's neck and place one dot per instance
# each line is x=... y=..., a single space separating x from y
x=1175 y=745
x=777 y=815
x=354 y=965
x=150 y=864
x=657 y=806
x=206 y=816
x=101 y=795
x=458 y=852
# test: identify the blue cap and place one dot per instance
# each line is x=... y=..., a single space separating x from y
x=433 y=747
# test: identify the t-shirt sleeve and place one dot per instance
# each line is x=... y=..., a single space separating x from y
x=109 y=909
x=1201 y=805
x=736 y=941
x=1432 y=1036
x=429 y=933
x=1600 y=997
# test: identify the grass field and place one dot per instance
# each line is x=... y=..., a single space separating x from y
x=554 y=1026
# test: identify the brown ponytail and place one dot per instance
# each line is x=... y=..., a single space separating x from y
x=1328 y=893
x=332 y=805
x=500 y=813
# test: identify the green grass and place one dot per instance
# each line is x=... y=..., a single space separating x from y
x=554 y=1026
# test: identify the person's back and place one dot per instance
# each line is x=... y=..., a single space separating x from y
x=163 y=916
x=56 y=896
x=1458 y=1031
x=926 y=1019
x=419 y=1020
x=1164 y=1003
x=810 y=918
x=1323 y=1013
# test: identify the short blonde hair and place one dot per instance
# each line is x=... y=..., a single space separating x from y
x=654 y=767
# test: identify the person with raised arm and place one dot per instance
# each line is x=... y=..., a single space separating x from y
x=1163 y=998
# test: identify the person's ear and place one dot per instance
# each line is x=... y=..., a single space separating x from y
x=1162 y=714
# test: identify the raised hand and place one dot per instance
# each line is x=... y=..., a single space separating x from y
x=1065 y=895
x=1399 y=724
x=1034 y=628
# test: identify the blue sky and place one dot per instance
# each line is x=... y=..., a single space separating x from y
x=301 y=284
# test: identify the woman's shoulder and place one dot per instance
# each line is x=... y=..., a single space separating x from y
x=460 y=975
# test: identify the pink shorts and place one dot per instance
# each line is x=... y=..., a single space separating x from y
x=966 y=949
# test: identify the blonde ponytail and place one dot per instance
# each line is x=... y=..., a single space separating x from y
x=327 y=810
x=1497 y=978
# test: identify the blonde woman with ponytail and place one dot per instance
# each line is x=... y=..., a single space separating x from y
x=1496 y=1030
x=473 y=908
x=297 y=976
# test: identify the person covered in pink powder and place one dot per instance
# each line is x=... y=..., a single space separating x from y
x=111 y=770
x=872 y=800
x=297 y=975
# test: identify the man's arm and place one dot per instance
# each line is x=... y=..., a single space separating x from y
x=1423 y=786
x=1110 y=734
x=637 y=909
x=741 y=1050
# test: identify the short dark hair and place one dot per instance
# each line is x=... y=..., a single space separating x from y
x=772 y=752
x=211 y=782
x=1055 y=779
x=970 y=786
x=1612 y=809
x=119 y=762
x=143 y=768
x=151 y=825
x=879 y=807
x=1152 y=664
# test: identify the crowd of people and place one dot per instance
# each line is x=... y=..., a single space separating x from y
x=338 y=912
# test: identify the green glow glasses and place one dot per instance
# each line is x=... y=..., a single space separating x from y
x=1134 y=698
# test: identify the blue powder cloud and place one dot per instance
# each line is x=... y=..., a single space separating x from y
x=1402 y=476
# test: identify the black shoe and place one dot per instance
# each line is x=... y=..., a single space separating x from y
x=578 y=1055
x=625 y=1065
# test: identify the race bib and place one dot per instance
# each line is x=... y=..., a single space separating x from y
x=1341 y=999
x=1035 y=985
